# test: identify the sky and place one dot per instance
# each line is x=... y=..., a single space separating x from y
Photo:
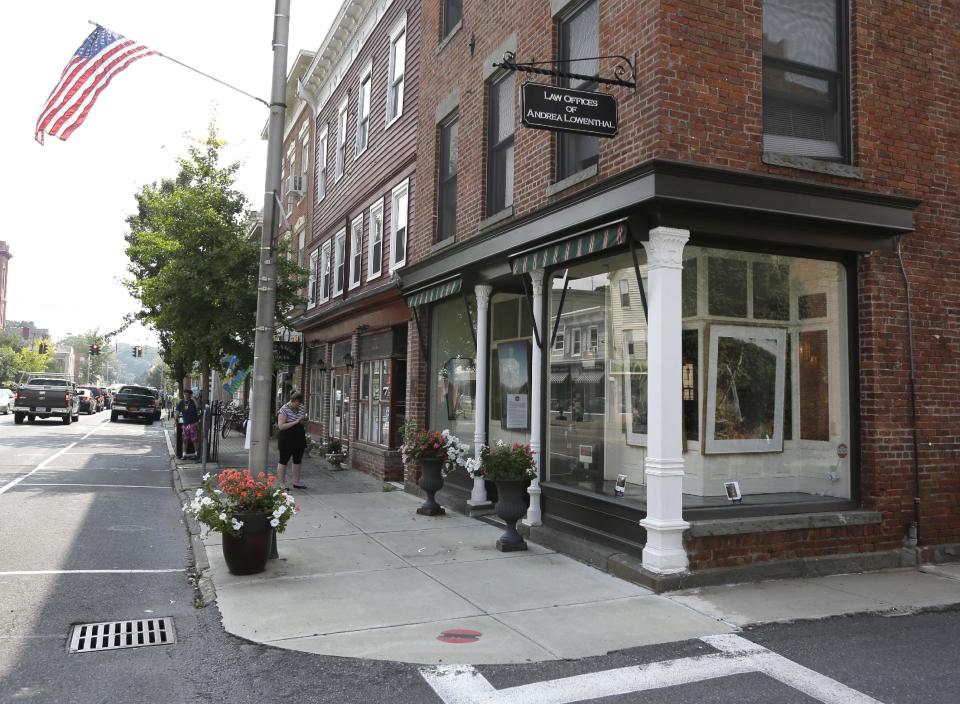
x=66 y=202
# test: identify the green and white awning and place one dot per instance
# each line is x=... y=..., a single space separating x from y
x=583 y=245
x=433 y=293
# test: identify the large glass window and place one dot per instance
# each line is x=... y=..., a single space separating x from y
x=511 y=350
x=500 y=128
x=804 y=73
x=579 y=35
x=453 y=377
x=765 y=378
x=383 y=390
x=447 y=180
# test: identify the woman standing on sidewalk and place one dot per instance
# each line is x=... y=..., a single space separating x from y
x=292 y=438
x=189 y=418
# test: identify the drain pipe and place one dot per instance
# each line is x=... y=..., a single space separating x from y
x=912 y=538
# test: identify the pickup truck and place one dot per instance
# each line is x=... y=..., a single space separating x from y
x=43 y=397
x=135 y=402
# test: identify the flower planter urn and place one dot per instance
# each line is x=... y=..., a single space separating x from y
x=431 y=481
x=336 y=459
x=248 y=552
x=511 y=506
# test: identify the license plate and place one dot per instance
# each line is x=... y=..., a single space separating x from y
x=133 y=408
x=40 y=409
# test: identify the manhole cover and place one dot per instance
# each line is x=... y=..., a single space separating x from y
x=113 y=635
x=459 y=635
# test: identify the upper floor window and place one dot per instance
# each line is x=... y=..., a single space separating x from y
x=398 y=61
x=398 y=225
x=312 y=281
x=321 y=184
x=339 y=242
x=804 y=78
x=304 y=158
x=452 y=15
x=500 y=122
x=579 y=35
x=624 y=293
x=375 y=252
x=447 y=179
x=576 y=342
x=325 y=272
x=301 y=241
x=356 y=250
x=559 y=341
x=363 y=111
x=341 y=141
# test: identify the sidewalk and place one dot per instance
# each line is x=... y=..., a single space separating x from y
x=360 y=574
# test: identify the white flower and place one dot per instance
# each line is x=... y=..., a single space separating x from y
x=222 y=516
x=237 y=525
x=206 y=501
x=280 y=511
x=199 y=492
x=206 y=476
x=274 y=522
x=217 y=491
x=501 y=443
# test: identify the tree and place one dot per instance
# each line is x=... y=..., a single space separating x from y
x=94 y=366
x=193 y=269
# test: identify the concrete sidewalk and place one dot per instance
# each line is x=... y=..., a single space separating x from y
x=362 y=575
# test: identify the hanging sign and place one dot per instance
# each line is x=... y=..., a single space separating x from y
x=548 y=107
x=287 y=353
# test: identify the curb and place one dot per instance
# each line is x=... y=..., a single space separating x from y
x=205 y=592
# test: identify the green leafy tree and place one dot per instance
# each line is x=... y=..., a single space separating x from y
x=94 y=367
x=194 y=270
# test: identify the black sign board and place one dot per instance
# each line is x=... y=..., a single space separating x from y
x=551 y=108
x=287 y=353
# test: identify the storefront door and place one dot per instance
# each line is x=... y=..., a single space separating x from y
x=340 y=400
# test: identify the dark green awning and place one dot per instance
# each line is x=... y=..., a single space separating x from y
x=434 y=293
x=572 y=248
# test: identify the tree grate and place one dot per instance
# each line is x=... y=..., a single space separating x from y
x=114 y=635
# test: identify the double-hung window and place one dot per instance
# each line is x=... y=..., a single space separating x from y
x=398 y=225
x=398 y=63
x=579 y=34
x=338 y=262
x=452 y=15
x=559 y=342
x=375 y=252
x=325 y=272
x=363 y=111
x=304 y=158
x=500 y=122
x=575 y=342
x=321 y=184
x=804 y=78
x=341 y=141
x=356 y=250
x=447 y=179
x=312 y=280
x=301 y=241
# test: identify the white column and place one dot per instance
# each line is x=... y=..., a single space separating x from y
x=664 y=552
x=534 y=512
x=478 y=496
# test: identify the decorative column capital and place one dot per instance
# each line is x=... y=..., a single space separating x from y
x=665 y=248
x=482 y=292
x=536 y=281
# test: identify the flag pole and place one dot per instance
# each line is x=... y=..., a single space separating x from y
x=196 y=70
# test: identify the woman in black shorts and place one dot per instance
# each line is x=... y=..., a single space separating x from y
x=292 y=438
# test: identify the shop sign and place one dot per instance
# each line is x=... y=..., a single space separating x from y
x=548 y=107
x=586 y=454
x=286 y=353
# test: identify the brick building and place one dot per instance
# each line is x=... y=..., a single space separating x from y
x=362 y=86
x=713 y=302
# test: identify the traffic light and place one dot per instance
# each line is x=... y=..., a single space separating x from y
x=94 y=348
x=138 y=351
x=133 y=351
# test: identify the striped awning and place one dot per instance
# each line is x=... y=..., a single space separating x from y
x=589 y=376
x=434 y=293
x=559 y=377
x=573 y=248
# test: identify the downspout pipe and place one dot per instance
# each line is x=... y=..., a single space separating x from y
x=913 y=536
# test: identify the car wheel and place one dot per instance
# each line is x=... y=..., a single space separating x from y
x=76 y=416
x=31 y=417
x=18 y=418
x=67 y=419
x=113 y=417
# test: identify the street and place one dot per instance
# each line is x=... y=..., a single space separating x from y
x=92 y=531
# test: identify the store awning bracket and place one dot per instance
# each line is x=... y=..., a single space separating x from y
x=563 y=296
x=533 y=318
x=423 y=344
x=636 y=270
x=624 y=67
x=466 y=305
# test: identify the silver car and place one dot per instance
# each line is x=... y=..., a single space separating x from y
x=7 y=398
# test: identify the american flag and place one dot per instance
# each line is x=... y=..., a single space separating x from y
x=102 y=56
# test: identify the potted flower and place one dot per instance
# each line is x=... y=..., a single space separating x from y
x=510 y=467
x=437 y=453
x=335 y=454
x=247 y=510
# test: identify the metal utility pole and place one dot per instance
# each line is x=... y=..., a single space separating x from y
x=267 y=280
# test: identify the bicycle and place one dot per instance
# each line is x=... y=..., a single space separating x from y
x=234 y=418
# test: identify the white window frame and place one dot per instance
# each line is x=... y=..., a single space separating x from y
x=560 y=340
x=312 y=280
x=392 y=80
x=576 y=342
x=325 y=272
x=355 y=274
x=339 y=252
x=399 y=191
x=301 y=243
x=340 y=159
x=363 y=109
x=593 y=332
x=375 y=267
x=320 y=184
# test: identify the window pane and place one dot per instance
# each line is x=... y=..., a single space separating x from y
x=502 y=112
x=580 y=38
x=447 y=195
x=453 y=361
x=691 y=376
x=800 y=114
x=728 y=287
x=771 y=291
x=804 y=31
x=814 y=386
x=689 y=287
x=452 y=13
x=746 y=388
x=399 y=55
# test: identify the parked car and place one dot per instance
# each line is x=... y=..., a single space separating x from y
x=135 y=402
x=88 y=402
x=45 y=396
x=107 y=397
x=6 y=401
x=96 y=393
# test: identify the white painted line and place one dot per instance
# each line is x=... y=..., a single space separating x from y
x=6 y=487
x=166 y=436
x=463 y=684
x=110 y=486
x=32 y=572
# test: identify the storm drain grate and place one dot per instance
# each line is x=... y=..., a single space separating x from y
x=113 y=635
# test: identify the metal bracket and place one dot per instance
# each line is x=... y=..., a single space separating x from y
x=620 y=70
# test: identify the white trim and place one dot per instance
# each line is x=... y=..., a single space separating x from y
x=400 y=27
x=356 y=243
x=398 y=192
x=378 y=209
x=365 y=76
x=340 y=156
x=339 y=239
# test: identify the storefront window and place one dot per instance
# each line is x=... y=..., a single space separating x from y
x=511 y=350
x=765 y=378
x=375 y=382
x=315 y=394
x=453 y=378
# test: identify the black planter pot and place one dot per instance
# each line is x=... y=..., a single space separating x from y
x=248 y=552
x=511 y=506
x=431 y=481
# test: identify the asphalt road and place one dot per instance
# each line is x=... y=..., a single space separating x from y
x=92 y=531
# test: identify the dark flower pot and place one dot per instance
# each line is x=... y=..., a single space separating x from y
x=511 y=506
x=247 y=553
x=431 y=481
